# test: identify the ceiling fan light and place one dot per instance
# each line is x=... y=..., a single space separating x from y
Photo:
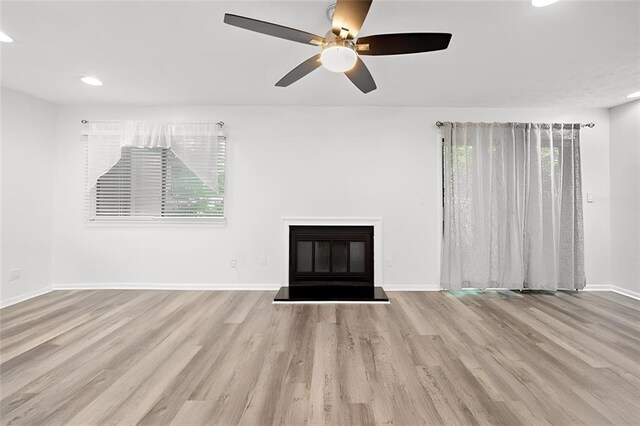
x=542 y=3
x=338 y=58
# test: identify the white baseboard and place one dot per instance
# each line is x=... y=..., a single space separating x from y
x=589 y=287
x=164 y=286
x=597 y=287
x=215 y=286
x=614 y=288
x=25 y=296
x=411 y=287
x=237 y=287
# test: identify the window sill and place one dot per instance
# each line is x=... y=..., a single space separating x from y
x=156 y=223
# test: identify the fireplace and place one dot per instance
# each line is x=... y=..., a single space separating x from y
x=331 y=263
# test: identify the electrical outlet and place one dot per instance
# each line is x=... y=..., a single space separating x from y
x=262 y=261
x=233 y=264
x=14 y=274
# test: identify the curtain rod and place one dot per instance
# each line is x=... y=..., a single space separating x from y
x=219 y=123
x=589 y=125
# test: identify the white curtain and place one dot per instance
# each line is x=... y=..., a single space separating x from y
x=512 y=206
x=106 y=141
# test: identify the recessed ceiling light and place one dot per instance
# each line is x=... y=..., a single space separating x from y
x=92 y=81
x=634 y=95
x=542 y=3
x=5 y=38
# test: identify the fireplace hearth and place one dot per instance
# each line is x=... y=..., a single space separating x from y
x=331 y=264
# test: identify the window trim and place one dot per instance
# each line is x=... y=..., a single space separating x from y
x=140 y=222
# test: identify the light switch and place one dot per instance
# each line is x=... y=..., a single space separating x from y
x=262 y=261
x=589 y=197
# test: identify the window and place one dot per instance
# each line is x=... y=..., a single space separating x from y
x=155 y=184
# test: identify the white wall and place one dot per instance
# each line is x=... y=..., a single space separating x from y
x=309 y=161
x=625 y=196
x=28 y=131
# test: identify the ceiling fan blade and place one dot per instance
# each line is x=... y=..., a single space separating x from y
x=350 y=15
x=274 y=30
x=300 y=71
x=402 y=44
x=361 y=77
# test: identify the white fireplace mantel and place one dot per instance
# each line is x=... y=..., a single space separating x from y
x=376 y=222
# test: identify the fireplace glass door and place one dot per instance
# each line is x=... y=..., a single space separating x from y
x=331 y=255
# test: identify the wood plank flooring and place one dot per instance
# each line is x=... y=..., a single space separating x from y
x=231 y=357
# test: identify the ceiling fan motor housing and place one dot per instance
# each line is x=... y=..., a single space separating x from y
x=331 y=10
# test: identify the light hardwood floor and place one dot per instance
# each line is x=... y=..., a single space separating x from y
x=159 y=357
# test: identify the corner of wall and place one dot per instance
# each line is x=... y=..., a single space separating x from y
x=624 y=137
x=26 y=234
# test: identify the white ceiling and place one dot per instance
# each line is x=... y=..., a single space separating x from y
x=503 y=54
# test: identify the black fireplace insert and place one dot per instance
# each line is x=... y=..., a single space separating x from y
x=331 y=263
x=331 y=255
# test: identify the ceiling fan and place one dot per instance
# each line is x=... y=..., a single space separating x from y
x=341 y=48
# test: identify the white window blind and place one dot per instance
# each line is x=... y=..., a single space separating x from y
x=154 y=184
